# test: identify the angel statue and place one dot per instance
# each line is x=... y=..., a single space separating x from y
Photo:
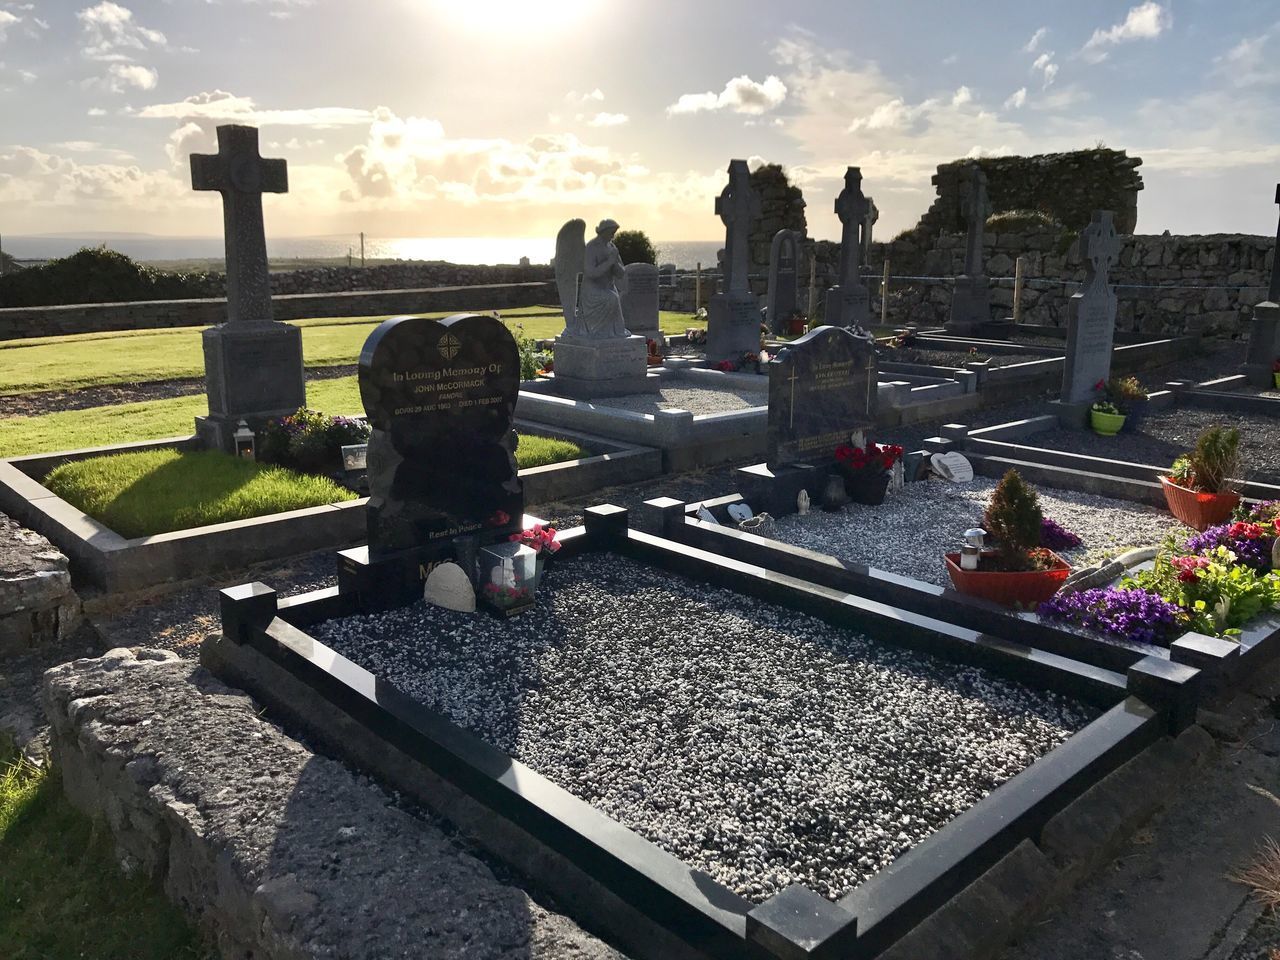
x=587 y=275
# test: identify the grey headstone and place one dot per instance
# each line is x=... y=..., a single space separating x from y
x=849 y=303
x=971 y=298
x=1264 y=345
x=640 y=301
x=822 y=389
x=1274 y=294
x=253 y=366
x=784 y=276
x=1091 y=313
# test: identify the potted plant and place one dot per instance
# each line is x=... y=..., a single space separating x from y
x=866 y=470
x=1018 y=572
x=655 y=353
x=1198 y=488
x=1120 y=398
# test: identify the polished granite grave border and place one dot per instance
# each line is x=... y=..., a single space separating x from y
x=615 y=880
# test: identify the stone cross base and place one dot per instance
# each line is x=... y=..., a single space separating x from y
x=849 y=307
x=253 y=367
x=1264 y=346
x=1072 y=416
x=733 y=327
x=970 y=305
x=586 y=368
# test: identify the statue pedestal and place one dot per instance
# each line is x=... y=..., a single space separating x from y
x=848 y=307
x=586 y=368
x=253 y=372
x=733 y=327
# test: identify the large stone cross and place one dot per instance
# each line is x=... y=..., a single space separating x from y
x=1101 y=249
x=852 y=209
x=242 y=177
x=737 y=206
x=974 y=205
x=1274 y=294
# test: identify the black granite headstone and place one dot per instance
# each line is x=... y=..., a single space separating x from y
x=822 y=388
x=440 y=395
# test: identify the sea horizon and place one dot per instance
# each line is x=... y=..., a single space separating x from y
x=152 y=248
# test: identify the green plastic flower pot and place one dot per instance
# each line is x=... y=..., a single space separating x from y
x=1106 y=424
x=1276 y=378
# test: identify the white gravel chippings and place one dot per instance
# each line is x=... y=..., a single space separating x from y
x=913 y=528
x=762 y=746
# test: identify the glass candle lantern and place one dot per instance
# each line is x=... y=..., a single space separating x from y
x=971 y=550
x=508 y=576
x=245 y=445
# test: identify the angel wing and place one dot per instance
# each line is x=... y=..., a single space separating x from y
x=571 y=246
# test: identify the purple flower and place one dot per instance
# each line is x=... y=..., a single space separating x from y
x=1057 y=537
x=1131 y=614
x=1251 y=553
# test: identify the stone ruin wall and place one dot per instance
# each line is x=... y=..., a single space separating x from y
x=1067 y=187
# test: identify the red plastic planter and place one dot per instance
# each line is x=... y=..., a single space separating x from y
x=1198 y=510
x=1026 y=588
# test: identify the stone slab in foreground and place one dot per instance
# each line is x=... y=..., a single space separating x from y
x=276 y=852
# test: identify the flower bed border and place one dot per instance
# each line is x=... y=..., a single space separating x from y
x=610 y=876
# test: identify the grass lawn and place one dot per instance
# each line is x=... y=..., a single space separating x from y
x=155 y=491
x=137 y=356
x=61 y=893
x=174 y=417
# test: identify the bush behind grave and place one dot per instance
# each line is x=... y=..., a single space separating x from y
x=99 y=275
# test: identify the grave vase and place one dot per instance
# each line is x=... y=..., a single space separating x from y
x=866 y=486
x=1197 y=509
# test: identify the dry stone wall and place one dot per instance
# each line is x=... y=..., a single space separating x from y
x=37 y=604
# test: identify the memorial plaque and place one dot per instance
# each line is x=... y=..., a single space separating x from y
x=822 y=388
x=440 y=395
x=733 y=326
x=1091 y=314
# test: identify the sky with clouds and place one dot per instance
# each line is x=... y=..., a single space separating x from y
x=506 y=117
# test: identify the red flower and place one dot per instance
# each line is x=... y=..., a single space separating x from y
x=499 y=518
x=1247 y=531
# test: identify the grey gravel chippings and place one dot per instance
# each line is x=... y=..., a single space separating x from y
x=910 y=531
x=763 y=746
x=697 y=400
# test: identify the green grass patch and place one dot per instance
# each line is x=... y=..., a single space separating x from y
x=540 y=451
x=156 y=491
x=76 y=361
x=61 y=893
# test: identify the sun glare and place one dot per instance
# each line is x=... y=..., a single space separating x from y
x=507 y=17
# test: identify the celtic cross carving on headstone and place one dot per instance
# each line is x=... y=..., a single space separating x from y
x=241 y=175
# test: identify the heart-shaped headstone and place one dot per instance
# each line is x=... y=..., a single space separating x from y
x=740 y=512
x=440 y=395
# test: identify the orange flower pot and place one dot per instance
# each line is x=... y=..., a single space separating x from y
x=1023 y=589
x=1198 y=510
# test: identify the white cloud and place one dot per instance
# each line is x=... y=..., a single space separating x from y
x=1016 y=99
x=1048 y=69
x=110 y=33
x=7 y=20
x=97 y=112
x=608 y=120
x=1034 y=42
x=1247 y=65
x=1143 y=22
x=961 y=97
x=125 y=75
x=741 y=95
x=228 y=108
x=578 y=99
x=31 y=177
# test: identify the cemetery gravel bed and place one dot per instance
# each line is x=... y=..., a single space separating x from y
x=1162 y=436
x=911 y=530
x=697 y=400
x=760 y=745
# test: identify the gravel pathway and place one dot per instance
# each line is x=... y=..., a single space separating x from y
x=1163 y=436
x=760 y=745
x=950 y=358
x=697 y=400
x=910 y=531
